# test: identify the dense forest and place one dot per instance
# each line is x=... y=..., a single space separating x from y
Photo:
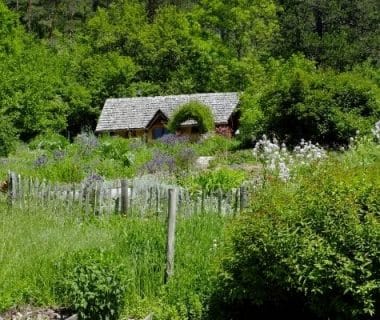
x=61 y=59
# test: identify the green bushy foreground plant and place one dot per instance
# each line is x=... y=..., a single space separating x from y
x=47 y=253
x=309 y=248
x=92 y=286
x=221 y=179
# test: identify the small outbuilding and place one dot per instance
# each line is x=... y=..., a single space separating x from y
x=148 y=116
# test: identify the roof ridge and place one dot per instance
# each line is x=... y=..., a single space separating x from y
x=177 y=95
x=136 y=112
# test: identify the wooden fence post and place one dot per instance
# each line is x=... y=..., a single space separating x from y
x=220 y=198
x=124 y=197
x=157 y=201
x=12 y=181
x=131 y=198
x=203 y=201
x=172 y=212
x=243 y=198
x=236 y=201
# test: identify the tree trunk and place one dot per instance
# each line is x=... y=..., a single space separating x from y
x=29 y=15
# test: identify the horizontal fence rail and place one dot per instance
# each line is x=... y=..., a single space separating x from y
x=140 y=196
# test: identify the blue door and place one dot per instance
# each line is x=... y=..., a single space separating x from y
x=159 y=132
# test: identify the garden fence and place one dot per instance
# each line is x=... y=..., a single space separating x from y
x=140 y=196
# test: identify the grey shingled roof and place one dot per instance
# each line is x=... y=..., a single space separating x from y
x=135 y=113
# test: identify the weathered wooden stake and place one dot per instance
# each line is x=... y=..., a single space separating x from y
x=20 y=190
x=117 y=201
x=73 y=198
x=11 y=188
x=131 y=199
x=87 y=202
x=243 y=198
x=172 y=212
x=95 y=198
x=157 y=200
x=124 y=197
x=203 y=201
x=220 y=197
x=236 y=201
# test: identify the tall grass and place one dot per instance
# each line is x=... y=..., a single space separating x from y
x=32 y=244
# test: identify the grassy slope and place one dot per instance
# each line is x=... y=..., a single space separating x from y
x=30 y=244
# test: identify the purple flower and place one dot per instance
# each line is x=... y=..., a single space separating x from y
x=173 y=139
x=87 y=142
x=93 y=178
x=160 y=162
x=41 y=161
x=59 y=154
x=186 y=156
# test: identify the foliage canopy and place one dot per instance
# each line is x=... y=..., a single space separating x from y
x=192 y=111
x=299 y=101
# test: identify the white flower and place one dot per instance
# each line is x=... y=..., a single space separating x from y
x=284 y=173
x=278 y=159
x=376 y=131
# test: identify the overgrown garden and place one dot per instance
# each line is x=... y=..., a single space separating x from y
x=307 y=243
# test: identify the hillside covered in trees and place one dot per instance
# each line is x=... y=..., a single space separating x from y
x=280 y=221
x=61 y=59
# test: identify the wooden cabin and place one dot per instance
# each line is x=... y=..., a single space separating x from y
x=148 y=116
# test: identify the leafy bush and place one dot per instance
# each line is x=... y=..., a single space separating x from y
x=195 y=111
x=309 y=249
x=92 y=286
x=223 y=179
x=86 y=142
x=215 y=144
x=116 y=148
x=62 y=170
x=300 y=102
x=49 y=141
x=8 y=137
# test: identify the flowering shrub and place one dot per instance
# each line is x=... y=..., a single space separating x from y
x=41 y=161
x=376 y=131
x=160 y=162
x=174 y=139
x=58 y=154
x=223 y=131
x=92 y=179
x=186 y=157
x=87 y=142
x=276 y=158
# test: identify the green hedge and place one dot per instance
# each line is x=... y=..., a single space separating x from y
x=195 y=111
